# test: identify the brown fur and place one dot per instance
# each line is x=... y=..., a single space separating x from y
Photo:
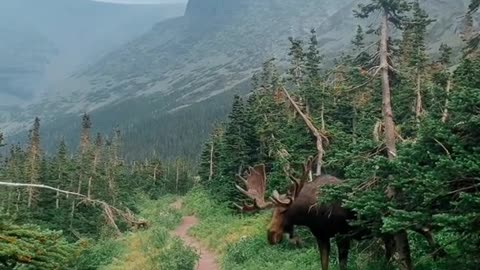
x=324 y=221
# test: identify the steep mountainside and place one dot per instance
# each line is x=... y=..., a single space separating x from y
x=43 y=41
x=166 y=87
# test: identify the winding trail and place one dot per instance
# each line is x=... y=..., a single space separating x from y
x=208 y=259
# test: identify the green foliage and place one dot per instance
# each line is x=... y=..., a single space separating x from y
x=33 y=247
x=394 y=9
x=95 y=256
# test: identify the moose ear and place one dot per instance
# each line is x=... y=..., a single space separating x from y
x=280 y=200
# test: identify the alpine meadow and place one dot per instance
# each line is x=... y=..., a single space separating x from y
x=240 y=135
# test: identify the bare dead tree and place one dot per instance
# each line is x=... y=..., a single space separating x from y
x=210 y=175
x=320 y=138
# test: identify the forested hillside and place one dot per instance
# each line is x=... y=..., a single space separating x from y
x=397 y=124
x=185 y=71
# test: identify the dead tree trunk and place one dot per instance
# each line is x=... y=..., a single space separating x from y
x=210 y=176
x=419 y=101
x=177 y=177
x=386 y=92
x=316 y=133
x=57 y=199
x=401 y=237
x=94 y=171
x=445 y=110
x=155 y=174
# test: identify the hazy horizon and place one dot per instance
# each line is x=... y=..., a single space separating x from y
x=142 y=1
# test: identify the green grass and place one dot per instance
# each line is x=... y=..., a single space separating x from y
x=153 y=248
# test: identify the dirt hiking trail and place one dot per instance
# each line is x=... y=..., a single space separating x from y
x=208 y=259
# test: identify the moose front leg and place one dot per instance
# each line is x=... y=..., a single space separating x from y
x=292 y=238
x=324 y=248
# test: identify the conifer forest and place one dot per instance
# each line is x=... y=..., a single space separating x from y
x=390 y=125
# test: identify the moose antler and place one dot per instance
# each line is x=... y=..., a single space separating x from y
x=255 y=183
x=298 y=183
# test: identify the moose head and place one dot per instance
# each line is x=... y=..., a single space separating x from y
x=256 y=185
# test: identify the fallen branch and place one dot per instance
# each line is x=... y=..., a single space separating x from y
x=108 y=209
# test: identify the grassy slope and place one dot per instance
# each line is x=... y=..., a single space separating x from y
x=153 y=248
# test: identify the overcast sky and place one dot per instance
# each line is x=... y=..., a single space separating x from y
x=143 y=1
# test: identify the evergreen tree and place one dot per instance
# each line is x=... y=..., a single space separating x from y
x=2 y=144
x=416 y=29
x=297 y=61
x=391 y=11
x=445 y=55
x=29 y=247
x=62 y=172
x=362 y=57
x=33 y=161
x=82 y=175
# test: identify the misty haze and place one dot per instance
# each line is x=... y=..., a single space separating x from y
x=163 y=134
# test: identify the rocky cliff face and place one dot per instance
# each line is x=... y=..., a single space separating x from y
x=187 y=68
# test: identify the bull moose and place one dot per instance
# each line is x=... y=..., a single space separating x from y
x=299 y=207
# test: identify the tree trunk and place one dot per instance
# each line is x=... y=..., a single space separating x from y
x=57 y=199
x=354 y=125
x=19 y=197
x=79 y=191
x=445 y=110
x=176 y=178
x=386 y=93
x=401 y=237
x=418 y=102
x=210 y=176
x=94 y=172
x=155 y=174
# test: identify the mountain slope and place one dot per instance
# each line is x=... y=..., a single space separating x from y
x=166 y=87
x=43 y=41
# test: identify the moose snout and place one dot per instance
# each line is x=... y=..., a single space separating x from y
x=274 y=238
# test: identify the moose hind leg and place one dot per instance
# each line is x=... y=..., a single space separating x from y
x=324 y=247
x=343 y=248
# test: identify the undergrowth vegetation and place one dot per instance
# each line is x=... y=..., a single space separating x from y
x=152 y=248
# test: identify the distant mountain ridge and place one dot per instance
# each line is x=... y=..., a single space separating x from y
x=176 y=79
x=43 y=41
